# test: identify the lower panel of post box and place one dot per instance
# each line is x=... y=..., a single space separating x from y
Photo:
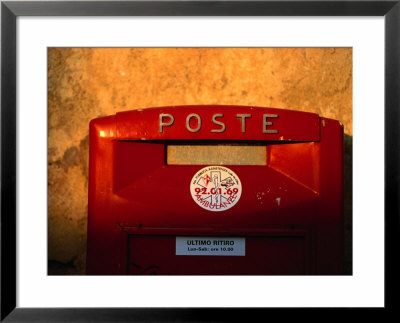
x=255 y=255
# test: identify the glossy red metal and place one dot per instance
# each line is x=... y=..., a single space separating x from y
x=290 y=211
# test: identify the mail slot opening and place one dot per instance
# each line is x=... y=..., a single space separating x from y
x=250 y=155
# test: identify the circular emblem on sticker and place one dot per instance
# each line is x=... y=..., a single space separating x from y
x=216 y=188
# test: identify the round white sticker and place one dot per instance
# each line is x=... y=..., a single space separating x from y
x=216 y=188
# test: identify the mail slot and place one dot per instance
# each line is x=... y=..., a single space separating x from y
x=215 y=190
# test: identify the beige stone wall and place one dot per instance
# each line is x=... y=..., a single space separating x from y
x=85 y=83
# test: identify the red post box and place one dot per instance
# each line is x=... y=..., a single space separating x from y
x=215 y=190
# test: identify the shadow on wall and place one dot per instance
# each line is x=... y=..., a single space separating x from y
x=348 y=204
x=75 y=263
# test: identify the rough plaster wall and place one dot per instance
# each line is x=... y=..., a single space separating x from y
x=85 y=83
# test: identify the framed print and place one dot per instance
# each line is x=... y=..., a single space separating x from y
x=67 y=63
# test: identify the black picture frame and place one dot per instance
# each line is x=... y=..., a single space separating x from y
x=10 y=10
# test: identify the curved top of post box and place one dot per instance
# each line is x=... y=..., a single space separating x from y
x=217 y=122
